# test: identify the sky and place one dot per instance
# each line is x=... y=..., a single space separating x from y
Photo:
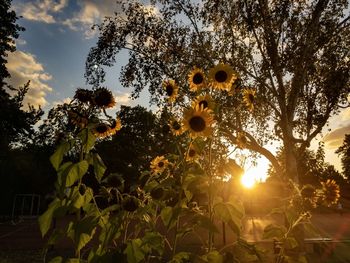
x=52 y=52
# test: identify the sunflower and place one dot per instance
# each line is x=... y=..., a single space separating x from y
x=176 y=127
x=241 y=140
x=101 y=130
x=222 y=76
x=78 y=119
x=192 y=153
x=236 y=85
x=205 y=102
x=198 y=121
x=115 y=126
x=171 y=89
x=196 y=79
x=83 y=95
x=159 y=164
x=103 y=98
x=330 y=192
x=249 y=98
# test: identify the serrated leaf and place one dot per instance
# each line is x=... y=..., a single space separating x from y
x=274 y=231
x=99 y=167
x=46 y=218
x=57 y=157
x=76 y=172
x=134 y=251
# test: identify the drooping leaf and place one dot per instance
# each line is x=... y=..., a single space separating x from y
x=205 y=222
x=84 y=231
x=57 y=157
x=134 y=251
x=88 y=139
x=274 y=231
x=166 y=215
x=46 y=218
x=99 y=167
x=76 y=172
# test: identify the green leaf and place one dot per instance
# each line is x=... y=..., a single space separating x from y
x=99 y=167
x=230 y=214
x=46 y=218
x=205 y=222
x=180 y=257
x=274 y=231
x=84 y=231
x=79 y=200
x=56 y=260
x=166 y=215
x=76 y=172
x=57 y=157
x=134 y=251
x=155 y=241
x=214 y=257
x=290 y=243
x=88 y=139
x=62 y=173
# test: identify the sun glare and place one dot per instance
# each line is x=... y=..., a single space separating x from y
x=255 y=174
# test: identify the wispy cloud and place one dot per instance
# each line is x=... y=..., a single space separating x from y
x=335 y=138
x=91 y=12
x=23 y=66
x=43 y=11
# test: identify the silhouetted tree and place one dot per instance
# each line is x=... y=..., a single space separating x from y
x=344 y=152
x=295 y=53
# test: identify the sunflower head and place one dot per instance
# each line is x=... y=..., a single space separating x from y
x=115 y=126
x=222 y=76
x=78 y=119
x=175 y=127
x=198 y=121
x=330 y=192
x=101 y=130
x=192 y=153
x=205 y=102
x=83 y=95
x=103 y=98
x=241 y=140
x=171 y=89
x=196 y=79
x=159 y=164
x=249 y=98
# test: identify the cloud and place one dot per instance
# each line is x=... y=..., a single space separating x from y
x=122 y=98
x=39 y=10
x=91 y=12
x=60 y=102
x=335 y=138
x=23 y=66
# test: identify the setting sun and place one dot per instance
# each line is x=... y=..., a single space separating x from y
x=255 y=174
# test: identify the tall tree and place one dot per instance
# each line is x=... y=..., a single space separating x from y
x=344 y=152
x=295 y=53
x=16 y=124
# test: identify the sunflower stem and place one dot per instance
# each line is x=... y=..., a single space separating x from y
x=210 y=199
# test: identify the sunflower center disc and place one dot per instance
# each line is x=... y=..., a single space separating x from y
x=197 y=79
x=251 y=97
x=221 y=76
x=191 y=153
x=197 y=124
x=169 y=90
x=176 y=126
x=101 y=128
x=160 y=164
x=203 y=104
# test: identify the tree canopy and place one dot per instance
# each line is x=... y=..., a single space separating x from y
x=344 y=152
x=295 y=54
